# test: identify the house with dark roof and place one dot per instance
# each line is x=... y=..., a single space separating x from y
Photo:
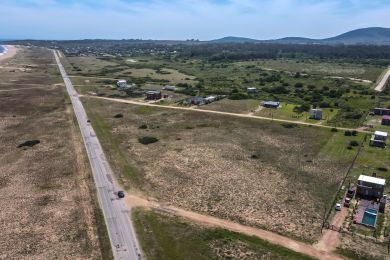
x=270 y=104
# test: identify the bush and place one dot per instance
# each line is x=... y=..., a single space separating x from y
x=118 y=116
x=347 y=133
x=354 y=133
x=349 y=147
x=333 y=129
x=353 y=143
x=143 y=127
x=382 y=169
x=147 y=140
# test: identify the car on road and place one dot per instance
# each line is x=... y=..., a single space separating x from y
x=121 y=194
x=338 y=207
x=351 y=192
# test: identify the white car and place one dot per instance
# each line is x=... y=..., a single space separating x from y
x=338 y=207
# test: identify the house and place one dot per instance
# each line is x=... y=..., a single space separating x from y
x=121 y=83
x=370 y=187
x=382 y=111
x=251 y=90
x=196 y=101
x=315 y=114
x=169 y=88
x=210 y=99
x=270 y=104
x=378 y=139
x=153 y=94
x=386 y=120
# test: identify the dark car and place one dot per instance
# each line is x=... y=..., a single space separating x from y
x=88 y=121
x=351 y=192
x=121 y=194
x=347 y=202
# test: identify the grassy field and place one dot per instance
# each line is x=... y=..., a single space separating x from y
x=167 y=237
x=314 y=86
x=48 y=205
x=341 y=69
x=196 y=153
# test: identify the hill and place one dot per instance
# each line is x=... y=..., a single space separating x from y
x=370 y=36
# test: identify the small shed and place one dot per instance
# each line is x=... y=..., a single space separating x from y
x=210 y=99
x=386 y=120
x=270 y=104
x=121 y=83
x=251 y=90
x=153 y=95
x=379 y=135
x=315 y=114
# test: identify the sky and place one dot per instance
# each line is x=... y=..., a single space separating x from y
x=187 y=19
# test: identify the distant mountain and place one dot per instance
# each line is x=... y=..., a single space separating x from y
x=232 y=39
x=371 y=36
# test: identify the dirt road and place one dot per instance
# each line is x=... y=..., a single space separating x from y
x=133 y=201
x=330 y=238
x=220 y=113
x=381 y=85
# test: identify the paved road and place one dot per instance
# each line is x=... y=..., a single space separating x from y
x=382 y=84
x=121 y=232
x=194 y=109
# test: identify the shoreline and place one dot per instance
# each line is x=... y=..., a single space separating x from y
x=10 y=51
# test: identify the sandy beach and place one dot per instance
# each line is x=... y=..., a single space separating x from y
x=10 y=52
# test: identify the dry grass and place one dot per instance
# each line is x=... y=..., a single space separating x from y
x=204 y=163
x=46 y=205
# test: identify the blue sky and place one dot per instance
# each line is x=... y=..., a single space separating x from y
x=187 y=19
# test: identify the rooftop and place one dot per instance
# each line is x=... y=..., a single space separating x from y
x=386 y=117
x=370 y=179
x=272 y=103
x=380 y=133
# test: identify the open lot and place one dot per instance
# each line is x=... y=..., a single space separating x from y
x=168 y=237
x=48 y=207
x=279 y=177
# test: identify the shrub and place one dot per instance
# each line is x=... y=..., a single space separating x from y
x=118 y=116
x=333 y=129
x=353 y=143
x=147 y=140
x=143 y=127
x=354 y=133
x=347 y=133
x=382 y=169
x=349 y=147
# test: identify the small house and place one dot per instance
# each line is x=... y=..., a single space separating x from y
x=315 y=114
x=381 y=111
x=196 y=101
x=270 y=104
x=378 y=139
x=121 y=83
x=169 y=88
x=251 y=90
x=153 y=95
x=386 y=120
x=210 y=99
x=370 y=187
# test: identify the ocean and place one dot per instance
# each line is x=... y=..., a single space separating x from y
x=1 y=49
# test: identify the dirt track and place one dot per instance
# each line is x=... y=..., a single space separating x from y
x=133 y=201
x=220 y=113
x=381 y=85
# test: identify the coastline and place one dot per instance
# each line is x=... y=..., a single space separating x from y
x=10 y=51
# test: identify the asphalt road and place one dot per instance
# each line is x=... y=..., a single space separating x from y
x=121 y=232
